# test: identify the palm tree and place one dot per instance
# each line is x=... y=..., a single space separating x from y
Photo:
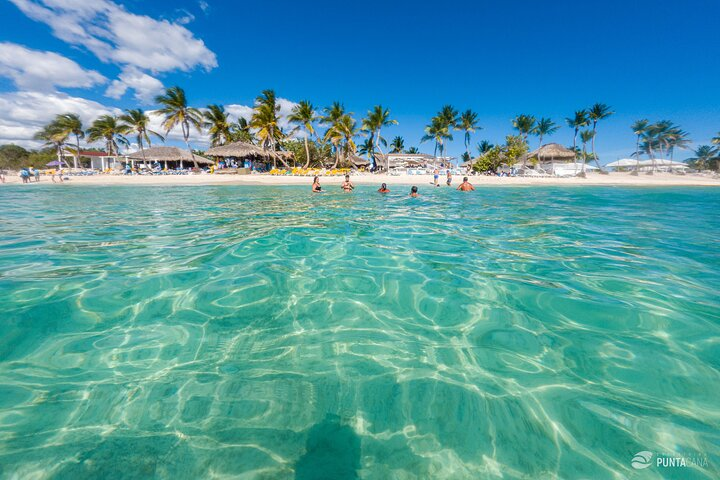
x=366 y=147
x=240 y=131
x=543 y=127
x=303 y=114
x=585 y=137
x=639 y=127
x=177 y=112
x=216 y=121
x=343 y=130
x=469 y=124
x=704 y=156
x=716 y=140
x=597 y=112
x=266 y=121
x=578 y=121
x=397 y=145
x=439 y=131
x=70 y=124
x=137 y=121
x=107 y=128
x=484 y=147
x=376 y=119
x=412 y=150
x=53 y=134
x=524 y=124
x=331 y=118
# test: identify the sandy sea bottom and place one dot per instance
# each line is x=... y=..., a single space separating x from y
x=247 y=332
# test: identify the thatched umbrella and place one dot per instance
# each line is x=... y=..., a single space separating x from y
x=552 y=152
x=239 y=150
x=167 y=154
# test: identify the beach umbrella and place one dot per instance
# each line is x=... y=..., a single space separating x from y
x=55 y=163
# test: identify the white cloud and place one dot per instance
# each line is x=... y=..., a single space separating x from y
x=24 y=113
x=145 y=86
x=115 y=35
x=204 y=6
x=39 y=70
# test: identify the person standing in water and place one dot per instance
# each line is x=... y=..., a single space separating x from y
x=465 y=186
x=436 y=177
x=316 y=188
x=449 y=177
x=347 y=184
x=414 y=191
x=383 y=188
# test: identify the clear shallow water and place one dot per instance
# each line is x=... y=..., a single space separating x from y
x=240 y=332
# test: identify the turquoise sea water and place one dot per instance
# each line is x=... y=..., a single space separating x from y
x=246 y=332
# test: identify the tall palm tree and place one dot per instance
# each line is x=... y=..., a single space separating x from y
x=585 y=137
x=376 y=119
x=177 y=112
x=412 y=150
x=576 y=122
x=597 y=112
x=342 y=134
x=524 y=124
x=137 y=121
x=366 y=147
x=107 y=128
x=303 y=114
x=397 y=145
x=266 y=120
x=331 y=119
x=70 y=124
x=544 y=127
x=468 y=123
x=217 y=124
x=438 y=131
x=53 y=134
x=639 y=127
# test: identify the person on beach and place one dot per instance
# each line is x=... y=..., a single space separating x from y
x=383 y=188
x=449 y=177
x=347 y=185
x=465 y=186
x=36 y=172
x=316 y=188
x=2 y=175
x=414 y=191
x=25 y=175
x=436 y=177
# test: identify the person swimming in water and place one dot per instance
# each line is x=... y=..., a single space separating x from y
x=316 y=188
x=414 y=192
x=347 y=184
x=383 y=188
x=465 y=186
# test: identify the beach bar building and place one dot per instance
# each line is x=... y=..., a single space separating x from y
x=176 y=157
x=244 y=152
x=96 y=160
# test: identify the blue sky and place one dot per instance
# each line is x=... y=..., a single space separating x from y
x=647 y=59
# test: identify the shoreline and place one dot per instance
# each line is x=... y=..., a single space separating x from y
x=613 y=179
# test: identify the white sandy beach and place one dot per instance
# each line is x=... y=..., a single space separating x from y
x=658 y=179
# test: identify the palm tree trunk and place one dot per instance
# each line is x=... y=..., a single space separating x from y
x=637 y=157
x=186 y=135
x=337 y=156
x=307 y=154
x=592 y=140
x=77 y=145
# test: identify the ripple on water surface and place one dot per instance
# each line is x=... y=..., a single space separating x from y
x=270 y=333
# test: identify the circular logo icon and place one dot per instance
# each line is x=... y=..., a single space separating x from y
x=641 y=460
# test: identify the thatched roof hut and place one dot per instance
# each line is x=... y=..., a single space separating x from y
x=358 y=162
x=240 y=150
x=168 y=154
x=552 y=152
